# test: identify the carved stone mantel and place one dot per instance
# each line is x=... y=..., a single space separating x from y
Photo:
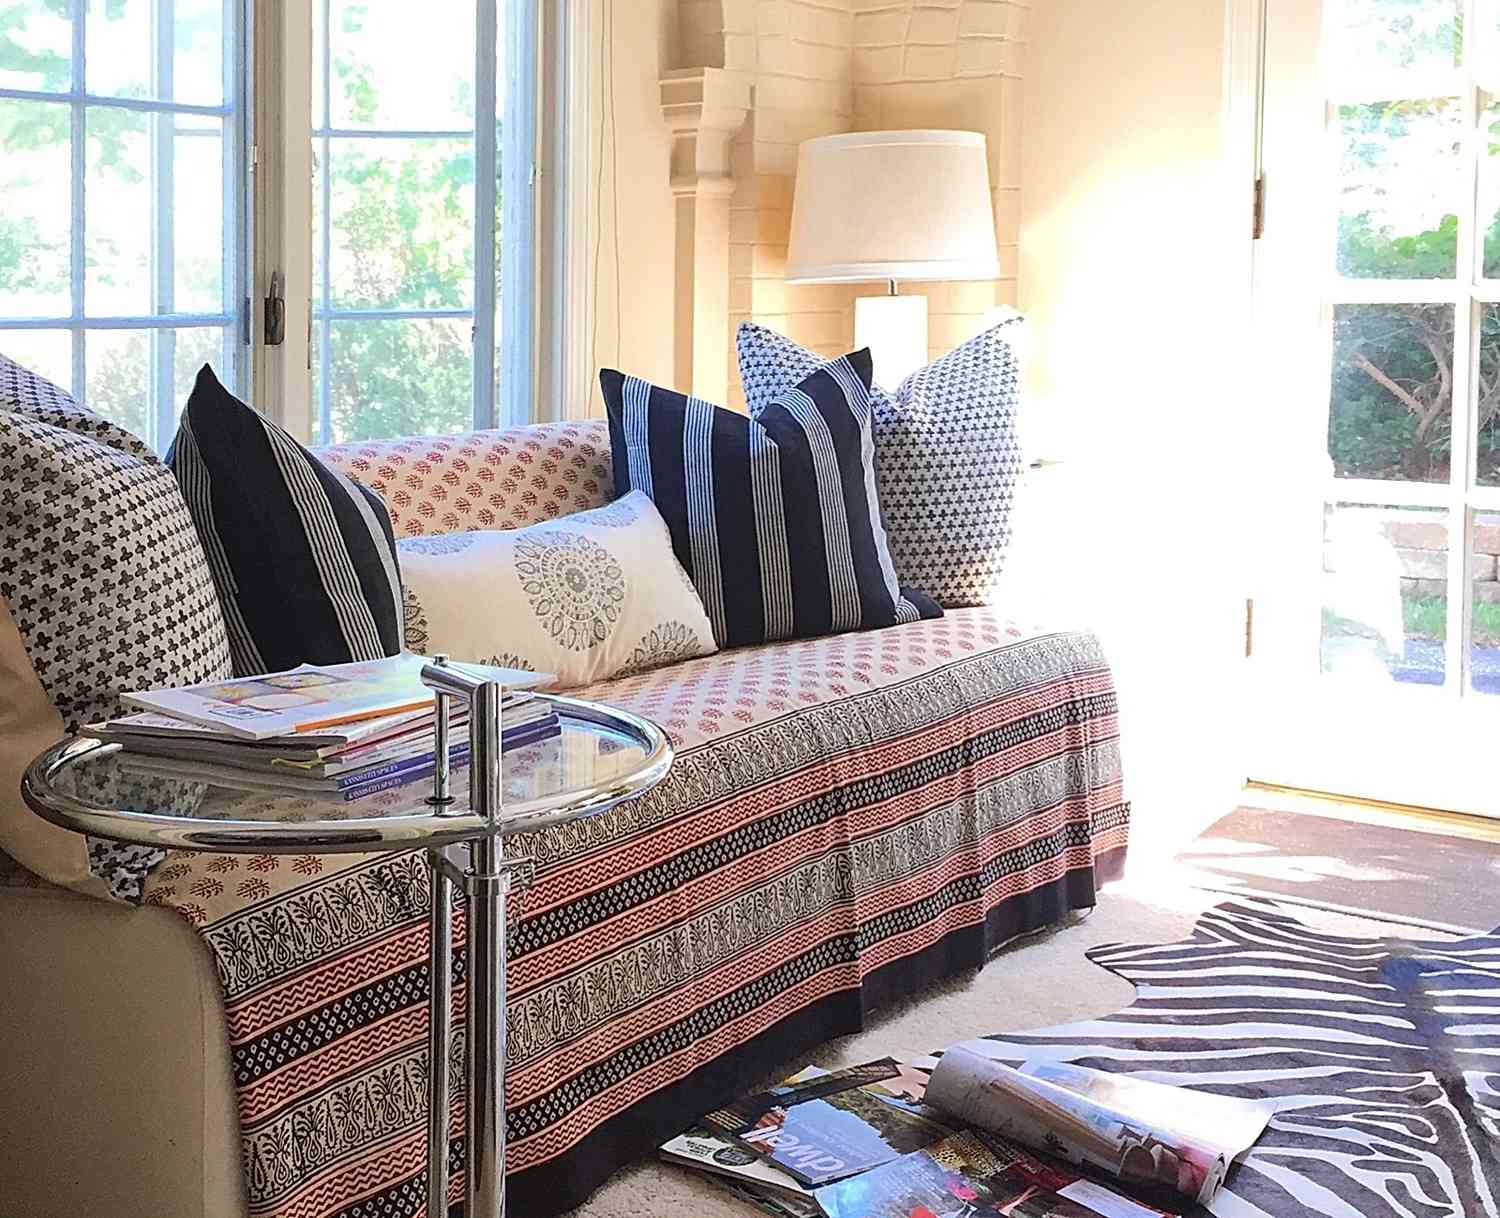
x=703 y=108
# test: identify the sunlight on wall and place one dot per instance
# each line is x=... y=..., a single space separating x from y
x=1123 y=277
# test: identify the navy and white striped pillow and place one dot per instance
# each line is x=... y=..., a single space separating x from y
x=304 y=558
x=947 y=454
x=776 y=518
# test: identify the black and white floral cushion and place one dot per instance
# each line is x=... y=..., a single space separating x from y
x=588 y=596
x=947 y=454
x=102 y=573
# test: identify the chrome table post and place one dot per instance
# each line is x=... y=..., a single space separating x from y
x=439 y=1034
x=440 y=972
x=484 y=1174
x=486 y=883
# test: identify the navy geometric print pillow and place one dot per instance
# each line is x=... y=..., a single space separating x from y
x=776 y=519
x=947 y=454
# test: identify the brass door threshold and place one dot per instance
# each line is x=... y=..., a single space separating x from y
x=1277 y=798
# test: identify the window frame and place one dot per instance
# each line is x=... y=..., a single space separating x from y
x=234 y=113
x=540 y=304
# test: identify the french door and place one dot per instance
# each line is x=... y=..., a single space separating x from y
x=1377 y=283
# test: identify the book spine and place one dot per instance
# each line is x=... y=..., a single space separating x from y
x=392 y=769
x=421 y=767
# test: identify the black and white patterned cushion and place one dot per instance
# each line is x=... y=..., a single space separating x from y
x=101 y=570
x=948 y=457
x=775 y=518
x=304 y=558
x=26 y=393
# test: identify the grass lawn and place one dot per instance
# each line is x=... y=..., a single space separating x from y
x=1428 y=619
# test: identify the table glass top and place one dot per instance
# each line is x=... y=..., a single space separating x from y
x=600 y=757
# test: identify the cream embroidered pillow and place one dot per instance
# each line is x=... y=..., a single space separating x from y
x=590 y=596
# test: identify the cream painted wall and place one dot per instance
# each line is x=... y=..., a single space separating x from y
x=814 y=67
x=1131 y=223
x=633 y=296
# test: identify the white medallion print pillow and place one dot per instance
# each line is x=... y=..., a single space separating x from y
x=590 y=596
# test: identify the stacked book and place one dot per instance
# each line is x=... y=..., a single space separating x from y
x=337 y=731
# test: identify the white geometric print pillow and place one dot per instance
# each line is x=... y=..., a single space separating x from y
x=589 y=596
x=947 y=455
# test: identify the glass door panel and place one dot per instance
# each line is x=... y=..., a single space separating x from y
x=1377 y=306
x=1385 y=595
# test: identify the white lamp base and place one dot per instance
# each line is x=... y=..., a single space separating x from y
x=895 y=330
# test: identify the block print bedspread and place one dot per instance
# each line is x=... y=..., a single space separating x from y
x=848 y=818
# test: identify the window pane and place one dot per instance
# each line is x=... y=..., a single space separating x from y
x=48 y=353
x=399 y=378
x=403 y=223
x=197 y=214
x=1399 y=183
x=191 y=349
x=373 y=52
x=319 y=26
x=35 y=47
x=117 y=210
x=198 y=52
x=1385 y=594
x=123 y=26
x=1390 y=415
x=1382 y=35
x=119 y=377
x=1489 y=184
x=1484 y=646
x=1487 y=454
x=35 y=230
x=121 y=226
x=125 y=29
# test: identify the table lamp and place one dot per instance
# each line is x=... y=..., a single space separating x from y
x=892 y=205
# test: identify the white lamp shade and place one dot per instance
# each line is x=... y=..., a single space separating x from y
x=907 y=205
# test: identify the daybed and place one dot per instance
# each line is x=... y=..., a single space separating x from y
x=848 y=818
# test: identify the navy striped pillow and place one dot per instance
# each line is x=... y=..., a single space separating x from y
x=775 y=518
x=303 y=557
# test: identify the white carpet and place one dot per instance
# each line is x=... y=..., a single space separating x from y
x=1040 y=981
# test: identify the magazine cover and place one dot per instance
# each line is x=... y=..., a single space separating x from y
x=831 y=1125
x=974 y=1175
x=723 y=1156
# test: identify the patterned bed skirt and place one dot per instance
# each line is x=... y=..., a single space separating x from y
x=847 y=820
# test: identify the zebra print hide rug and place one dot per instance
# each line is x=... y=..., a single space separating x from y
x=1382 y=1057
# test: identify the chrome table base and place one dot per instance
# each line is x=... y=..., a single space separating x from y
x=486 y=882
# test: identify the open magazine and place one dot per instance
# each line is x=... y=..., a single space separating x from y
x=1148 y=1134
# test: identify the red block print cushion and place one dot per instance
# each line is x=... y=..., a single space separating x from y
x=500 y=479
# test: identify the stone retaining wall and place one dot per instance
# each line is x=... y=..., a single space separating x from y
x=1421 y=545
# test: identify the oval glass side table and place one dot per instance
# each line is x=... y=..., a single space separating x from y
x=601 y=757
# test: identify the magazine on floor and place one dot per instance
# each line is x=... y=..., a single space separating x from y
x=971 y=1136
x=974 y=1174
x=726 y=1159
x=313 y=698
x=818 y=1127
x=1158 y=1137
